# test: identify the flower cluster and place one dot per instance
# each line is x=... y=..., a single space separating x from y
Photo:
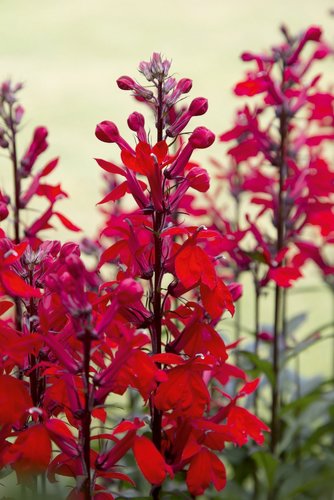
x=143 y=325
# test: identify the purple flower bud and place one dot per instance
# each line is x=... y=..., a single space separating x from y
x=168 y=85
x=19 y=112
x=145 y=69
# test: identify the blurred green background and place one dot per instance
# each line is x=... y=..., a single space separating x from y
x=70 y=52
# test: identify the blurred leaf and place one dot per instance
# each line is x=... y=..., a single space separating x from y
x=307 y=342
x=257 y=256
x=315 y=438
x=261 y=366
x=295 y=322
x=268 y=463
x=312 y=480
x=300 y=404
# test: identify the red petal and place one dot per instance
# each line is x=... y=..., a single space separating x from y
x=116 y=193
x=205 y=468
x=110 y=167
x=31 y=452
x=15 y=285
x=217 y=300
x=150 y=461
x=14 y=399
x=66 y=222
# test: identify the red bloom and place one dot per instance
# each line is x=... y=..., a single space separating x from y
x=243 y=424
x=31 y=452
x=205 y=468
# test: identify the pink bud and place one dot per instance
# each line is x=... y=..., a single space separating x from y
x=198 y=106
x=247 y=56
x=313 y=33
x=129 y=291
x=3 y=211
x=201 y=138
x=198 y=179
x=125 y=83
x=184 y=85
x=75 y=266
x=19 y=112
x=136 y=121
x=107 y=131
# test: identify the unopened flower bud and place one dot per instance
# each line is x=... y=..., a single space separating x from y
x=201 y=138
x=129 y=291
x=198 y=179
x=198 y=106
x=75 y=265
x=19 y=112
x=136 y=121
x=125 y=83
x=313 y=33
x=184 y=85
x=107 y=131
x=3 y=211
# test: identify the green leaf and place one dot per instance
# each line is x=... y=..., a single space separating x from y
x=261 y=366
x=268 y=463
x=295 y=322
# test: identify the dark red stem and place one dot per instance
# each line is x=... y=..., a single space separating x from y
x=275 y=405
x=87 y=416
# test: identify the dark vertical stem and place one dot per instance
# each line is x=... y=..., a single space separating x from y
x=280 y=219
x=17 y=193
x=332 y=297
x=87 y=417
x=157 y=311
x=298 y=396
x=257 y=329
x=237 y=317
x=34 y=382
x=16 y=174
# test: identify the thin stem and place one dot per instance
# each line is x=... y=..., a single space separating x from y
x=158 y=220
x=17 y=193
x=87 y=417
x=257 y=330
x=275 y=406
x=17 y=179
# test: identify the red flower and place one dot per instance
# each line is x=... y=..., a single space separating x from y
x=205 y=468
x=30 y=454
x=243 y=424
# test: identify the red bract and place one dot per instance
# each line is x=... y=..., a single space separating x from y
x=205 y=468
x=150 y=461
x=30 y=453
x=15 y=400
